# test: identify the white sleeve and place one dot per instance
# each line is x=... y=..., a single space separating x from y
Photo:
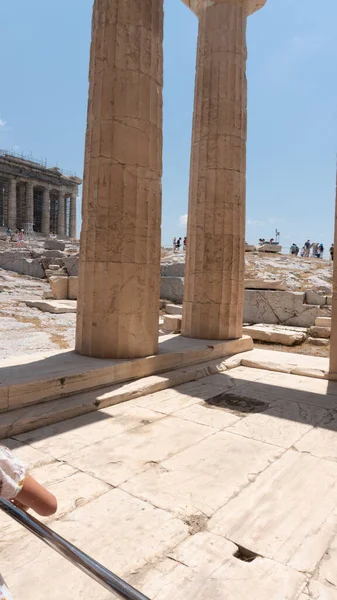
x=12 y=474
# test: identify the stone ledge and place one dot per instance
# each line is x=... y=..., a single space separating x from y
x=49 y=376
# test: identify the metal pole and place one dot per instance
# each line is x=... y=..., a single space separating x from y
x=91 y=567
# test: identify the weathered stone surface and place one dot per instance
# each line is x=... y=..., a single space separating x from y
x=313 y=298
x=260 y=518
x=172 y=270
x=52 y=244
x=172 y=288
x=53 y=306
x=59 y=287
x=72 y=288
x=71 y=265
x=321 y=441
x=260 y=284
x=233 y=458
x=323 y=322
x=275 y=307
x=276 y=334
x=118 y=292
x=172 y=323
x=117 y=460
x=204 y=566
x=318 y=341
x=215 y=256
x=320 y=332
x=318 y=591
x=282 y=424
x=174 y=309
x=20 y=262
x=144 y=533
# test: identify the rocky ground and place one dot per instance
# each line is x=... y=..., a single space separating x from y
x=298 y=274
x=26 y=330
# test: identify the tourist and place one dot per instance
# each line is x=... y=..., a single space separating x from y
x=294 y=249
x=320 y=252
x=24 y=491
x=9 y=232
x=185 y=241
x=307 y=247
x=178 y=244
x=174 y=244
x=314 y=249
x=331 y=251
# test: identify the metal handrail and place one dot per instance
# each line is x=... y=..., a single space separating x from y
x=91 y=567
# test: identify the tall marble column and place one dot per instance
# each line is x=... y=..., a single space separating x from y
x=29 y=207
x=333 y=337
x=45 y=224
x=117 y=309
x=72 y=216
x=214 y=276
x=12 y=204
x=61 y=220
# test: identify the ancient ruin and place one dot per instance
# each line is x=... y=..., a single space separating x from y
x=35 y=198
x=120 y=241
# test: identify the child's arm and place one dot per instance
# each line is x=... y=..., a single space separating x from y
x=36 y=497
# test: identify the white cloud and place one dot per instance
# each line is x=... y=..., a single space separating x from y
x=254 y=223
x=2 y=123
x=183 y=220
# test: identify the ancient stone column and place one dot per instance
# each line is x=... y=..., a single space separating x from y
x=333 y=338
x=61 y=215
x=45 y=224
x=12 y=204
x=214 y=274
x=117 y=309
x=29 y=207
x=72 y=218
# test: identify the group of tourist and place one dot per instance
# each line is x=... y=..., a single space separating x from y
x=16 y=236
x=313 y=249
x=178 y=242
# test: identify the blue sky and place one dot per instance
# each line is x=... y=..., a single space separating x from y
x=292 y=105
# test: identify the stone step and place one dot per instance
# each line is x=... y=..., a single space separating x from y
x=323 y=322
x=32 y=417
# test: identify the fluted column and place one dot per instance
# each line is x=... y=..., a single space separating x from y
x=72 y=217
x=117 y=310
x=61 y=221
x=45 y=225
x=29 y=206
x=214 y=275
x=12 y=204
x=333 y=338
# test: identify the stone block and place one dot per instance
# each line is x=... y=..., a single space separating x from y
x=260 y=284
x=172 y=270
x=314 y=298
x=71 y=265
x=21 y=262
x=320 y=332
x=276 y=334
x=59 y=287
x=72 y=288
x=172 y=288
x=172 y=323
x=278 y=307
x=329 y=300
x=318 y=341
x=53 y=306
x=323 y=322
x=174 y=309
x=54 y=245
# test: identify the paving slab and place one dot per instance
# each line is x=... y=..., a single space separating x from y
x=326 y=572
x=54 y=306
x=204 y=477
x=282 y=424
x=121 y=532
x=287 y=514
x=212 y=416
x=321 y=441
x=204 y=567
x=116 y=460
x=287 y=362
x=318 y=591
x=72 y=435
